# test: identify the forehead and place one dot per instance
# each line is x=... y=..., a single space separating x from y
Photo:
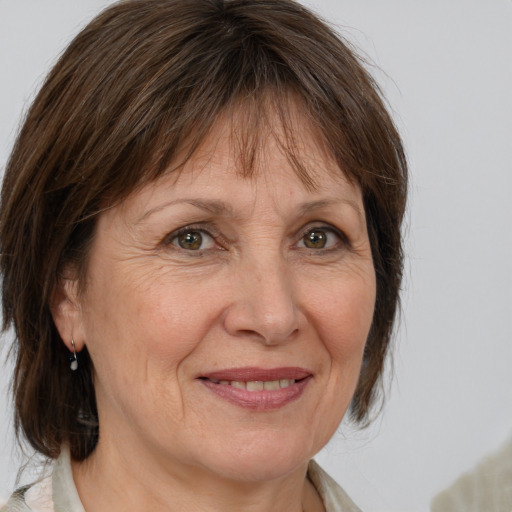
x=262 y=137
x=269 y=144
x=287 y=167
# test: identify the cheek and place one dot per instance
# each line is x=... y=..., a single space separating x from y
x=149 y=322
x=138 y=335
x=342 y=319
x=344 y=316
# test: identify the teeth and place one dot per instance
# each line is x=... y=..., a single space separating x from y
x=256 y=385
x=271 y=385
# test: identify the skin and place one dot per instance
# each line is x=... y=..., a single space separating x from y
x=155 y=315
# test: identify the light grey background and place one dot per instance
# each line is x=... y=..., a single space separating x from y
x=449 y=82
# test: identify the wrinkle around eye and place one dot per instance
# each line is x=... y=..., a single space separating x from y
x=334 y=239
x=194 y=241
x=197 y=240
x=328 y=236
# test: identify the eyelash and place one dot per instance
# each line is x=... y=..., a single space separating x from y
x=208 y=230
x=343 y=241
x=214 y=234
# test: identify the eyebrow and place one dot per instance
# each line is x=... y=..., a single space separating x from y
x=324 y=203
x=211 y=206
x=216 y=207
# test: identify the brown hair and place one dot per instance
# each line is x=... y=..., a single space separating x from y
x=141 y=81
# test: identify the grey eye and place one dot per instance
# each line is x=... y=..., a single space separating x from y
x=315 y=239
x=320 y=238
x=193 y=240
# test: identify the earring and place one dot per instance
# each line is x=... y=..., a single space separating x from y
x=74 y=362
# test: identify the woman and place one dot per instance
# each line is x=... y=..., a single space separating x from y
x=201 y=258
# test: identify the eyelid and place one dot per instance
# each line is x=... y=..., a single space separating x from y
x=322 y=226
x=220 y=241
x=207 y=229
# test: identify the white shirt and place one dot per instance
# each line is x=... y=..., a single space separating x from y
x=57 y=491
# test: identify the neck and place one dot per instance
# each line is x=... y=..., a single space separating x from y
x=112 y=480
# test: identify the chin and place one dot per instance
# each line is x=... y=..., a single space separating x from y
x=263 y=458
x=259 y=469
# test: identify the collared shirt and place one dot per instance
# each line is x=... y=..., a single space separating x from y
x=57 y=492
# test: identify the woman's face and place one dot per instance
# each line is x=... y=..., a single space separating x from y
x=226 y=316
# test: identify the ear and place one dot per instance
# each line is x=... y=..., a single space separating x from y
x=66 y=311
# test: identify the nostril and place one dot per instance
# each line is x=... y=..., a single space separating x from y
x=265 y=312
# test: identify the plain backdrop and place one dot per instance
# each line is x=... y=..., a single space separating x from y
x=445 y=66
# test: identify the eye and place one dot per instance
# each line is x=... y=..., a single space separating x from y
x=193 y=240
x=320 y=238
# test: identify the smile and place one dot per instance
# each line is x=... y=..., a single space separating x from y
x=258 y=389
x=256 y=385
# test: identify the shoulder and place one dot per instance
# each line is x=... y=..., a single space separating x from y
x=36 y=497
x=55 y=490
x=16 y=502
x=333 y=496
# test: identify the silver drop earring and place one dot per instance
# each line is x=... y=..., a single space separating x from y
x=74 y=362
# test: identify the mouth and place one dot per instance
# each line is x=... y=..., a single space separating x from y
x=256 y=385
x=256 y=388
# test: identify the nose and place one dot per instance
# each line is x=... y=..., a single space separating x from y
x=264 y=305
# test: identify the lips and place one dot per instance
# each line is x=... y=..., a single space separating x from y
x=246 y=374
x=258 y=388
x=256 y=385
